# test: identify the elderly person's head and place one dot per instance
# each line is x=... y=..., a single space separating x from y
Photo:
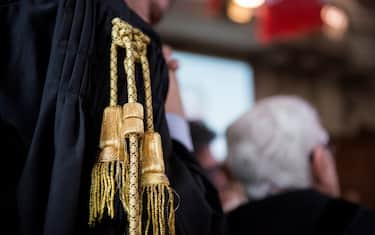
x=280 y=145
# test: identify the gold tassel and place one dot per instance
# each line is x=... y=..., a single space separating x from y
x=116 y=171
x=156 y=192
x=108 y=174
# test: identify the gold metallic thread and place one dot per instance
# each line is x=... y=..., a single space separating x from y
x=109 y=174
x=116 y=170
x=154 y=182
x=114 y=76
x=133 y=213
x=112 y=159
x=155 y=187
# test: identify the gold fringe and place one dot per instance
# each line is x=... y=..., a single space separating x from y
x=122 y=181
x=107 y=178
x=155 y=196
x=117 y=171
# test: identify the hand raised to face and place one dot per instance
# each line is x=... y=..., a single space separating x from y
x=173 y=103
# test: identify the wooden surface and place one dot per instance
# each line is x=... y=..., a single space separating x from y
x=355 y=159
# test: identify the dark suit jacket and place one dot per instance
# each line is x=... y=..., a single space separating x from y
x=301 y=212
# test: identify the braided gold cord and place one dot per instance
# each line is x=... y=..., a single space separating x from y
x=158 y=194
x=134 y=228
x=114 y=76
x=148 y=94
x=122 y=36
x=134 y=215
x=141 y=41
x=129 y=65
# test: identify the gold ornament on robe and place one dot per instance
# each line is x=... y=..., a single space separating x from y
x=156 y=193
x=127 y=150
x=108 y=174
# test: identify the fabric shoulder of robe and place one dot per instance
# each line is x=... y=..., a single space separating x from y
x=301 y=212
x=54 y=85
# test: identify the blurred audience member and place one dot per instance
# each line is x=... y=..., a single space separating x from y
x=279 y=146
x=202 y=137
x=230 y=191
x=278 y=151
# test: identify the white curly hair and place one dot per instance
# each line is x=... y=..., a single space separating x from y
x=269 y=147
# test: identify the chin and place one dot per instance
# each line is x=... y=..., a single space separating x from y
x=158 y=9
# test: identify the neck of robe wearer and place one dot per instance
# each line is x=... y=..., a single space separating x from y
x=120 y=8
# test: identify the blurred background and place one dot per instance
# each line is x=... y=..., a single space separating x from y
x=234 y=52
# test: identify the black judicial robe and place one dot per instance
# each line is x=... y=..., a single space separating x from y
x=301 y=212
x=54 y=71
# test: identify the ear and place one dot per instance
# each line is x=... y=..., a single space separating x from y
x=317 y=164
x=323 y=169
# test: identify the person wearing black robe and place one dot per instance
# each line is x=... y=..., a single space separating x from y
x=278 y=152
x=54 y=58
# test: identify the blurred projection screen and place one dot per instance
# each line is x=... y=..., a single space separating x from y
x=216 y=91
